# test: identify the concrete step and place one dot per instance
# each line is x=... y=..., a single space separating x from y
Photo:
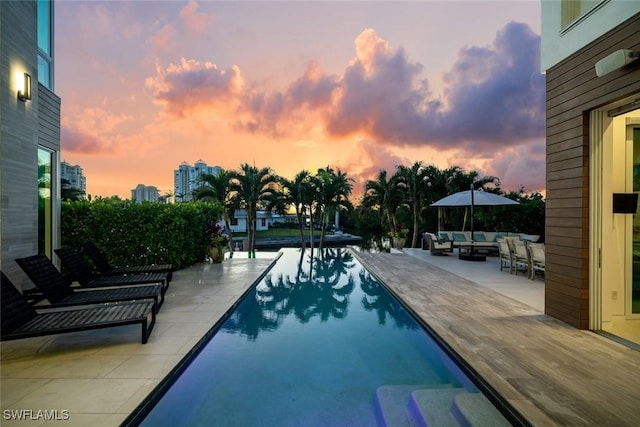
x=392 y=401
x=432 y=407
x=475 y=410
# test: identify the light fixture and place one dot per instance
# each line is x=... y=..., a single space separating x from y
x=24 y=95
x=617 y=59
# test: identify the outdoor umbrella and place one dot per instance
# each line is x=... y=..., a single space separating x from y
x=473 y=198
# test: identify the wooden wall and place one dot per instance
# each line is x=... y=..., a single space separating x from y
x=573 y=89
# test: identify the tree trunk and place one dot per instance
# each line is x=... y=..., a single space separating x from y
x=227 y=222
x=300 y=228
x=414 y=240
x=323 y=220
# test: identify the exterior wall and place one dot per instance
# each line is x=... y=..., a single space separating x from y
x=558 y=45
x=573 y=90
x=24 y=125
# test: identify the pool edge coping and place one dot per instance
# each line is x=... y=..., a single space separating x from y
x=140 y=412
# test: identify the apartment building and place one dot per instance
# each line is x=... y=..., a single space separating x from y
x=185 y=179
x=30 y=134
x=73 y=176
x=145 y=193
x=589 y=53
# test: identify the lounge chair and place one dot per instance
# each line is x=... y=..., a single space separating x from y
x=102 y=264
x=58 y=291
x=438 y=246
x=81 y=272
x=20 y=320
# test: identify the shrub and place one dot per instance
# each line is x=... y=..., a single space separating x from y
x=140 y=233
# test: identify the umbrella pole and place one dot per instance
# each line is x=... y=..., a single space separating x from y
x=471 y=256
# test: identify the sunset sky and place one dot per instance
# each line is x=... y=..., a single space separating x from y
x=294 y=85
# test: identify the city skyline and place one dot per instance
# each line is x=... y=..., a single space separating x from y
x=360 y=86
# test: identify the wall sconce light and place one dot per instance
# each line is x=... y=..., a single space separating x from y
x=617 y=59
x=24 y=95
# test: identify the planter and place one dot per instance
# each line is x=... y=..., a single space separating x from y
x=399 y=242
x=216 y=254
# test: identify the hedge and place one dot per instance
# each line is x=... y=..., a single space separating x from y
x=133 y=233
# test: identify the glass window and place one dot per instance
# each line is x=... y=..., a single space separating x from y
x=45 y=49
x=45 y=212
x=44 y=26
x=574 y=9
x=44 y=71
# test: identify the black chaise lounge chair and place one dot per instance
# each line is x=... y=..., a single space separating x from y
x=58 y=291
x=80 y=271
x=20 y=320
x=102 y=264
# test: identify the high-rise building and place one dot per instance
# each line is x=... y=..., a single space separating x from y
x=30 y=135
x=73 y=177
x=143 y=192
x=185 y=179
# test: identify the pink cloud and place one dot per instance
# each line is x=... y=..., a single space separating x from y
x=193 y=20
x=190 y=84
x=75 y=141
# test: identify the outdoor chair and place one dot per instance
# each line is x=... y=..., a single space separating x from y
x=58 y=291
x=21 y=320
x=81 y=272
x=537 y=258
x=439 y=246
x=506 y=258
x=105 y=268
x=520 y=255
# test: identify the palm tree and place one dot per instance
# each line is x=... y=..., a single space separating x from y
x=254 y=189
x=296 y=192
x=414 y=182
x=382 y=194
x=218 y=188
x=334 y=191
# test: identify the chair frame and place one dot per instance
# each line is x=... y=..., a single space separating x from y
x=81 y=272
x=506 y=255
x=103 y=266
x=536 y=258
x=439 y=246
x=58 y=291
x=21 y=320
x=520 y=255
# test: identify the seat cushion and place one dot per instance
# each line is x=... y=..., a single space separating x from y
x=479 y=236
x=459 y=237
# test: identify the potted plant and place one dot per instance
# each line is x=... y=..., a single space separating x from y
x=399 y=237
x=217 y=241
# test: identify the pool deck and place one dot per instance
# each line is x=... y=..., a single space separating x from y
x=551 y=373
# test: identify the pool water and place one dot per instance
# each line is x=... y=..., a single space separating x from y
x=308 y=346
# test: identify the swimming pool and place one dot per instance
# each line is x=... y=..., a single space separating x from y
x=318 y=341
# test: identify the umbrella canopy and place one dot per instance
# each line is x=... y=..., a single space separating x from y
x=480 y=198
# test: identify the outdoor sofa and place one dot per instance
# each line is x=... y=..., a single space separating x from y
x=21 y=320
x=482 y=240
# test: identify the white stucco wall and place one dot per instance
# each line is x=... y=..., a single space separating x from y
x=557 y=45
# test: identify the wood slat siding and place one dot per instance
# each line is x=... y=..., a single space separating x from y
x=573 y=90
